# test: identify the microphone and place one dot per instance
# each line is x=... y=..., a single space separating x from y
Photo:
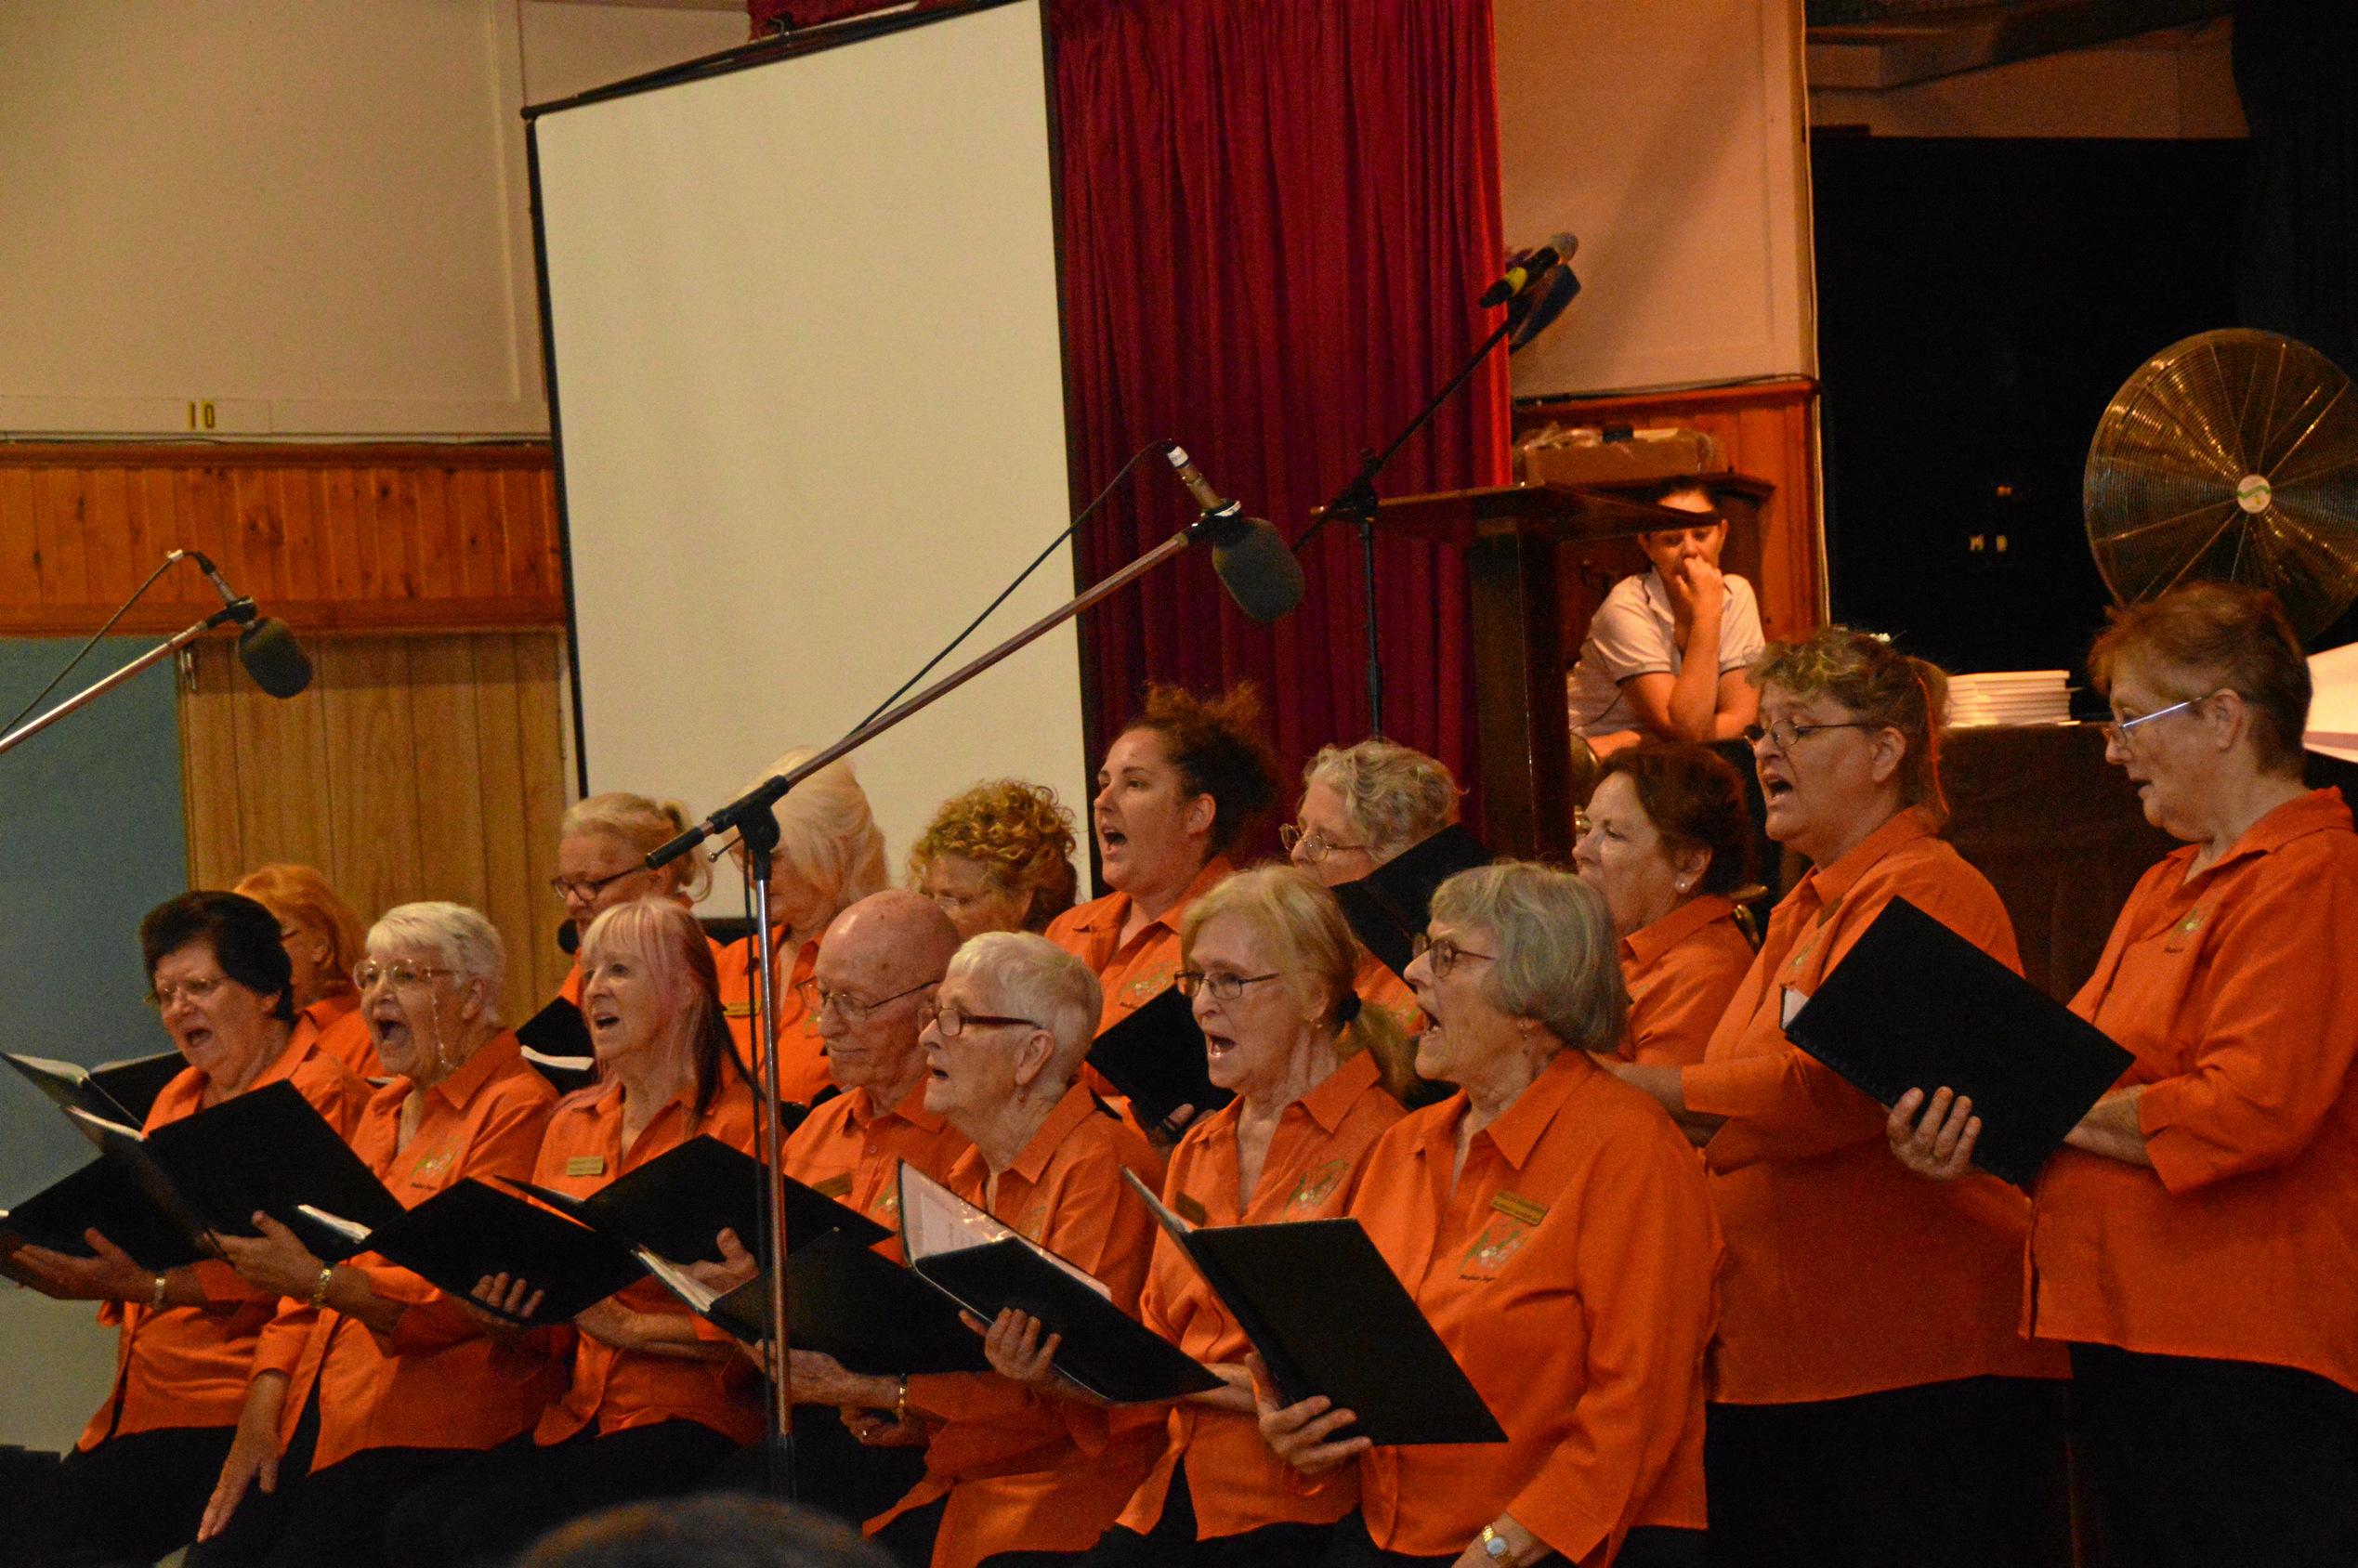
x=1262 y=575
x=1523 y=274
x=265 y=647
x=568 y=938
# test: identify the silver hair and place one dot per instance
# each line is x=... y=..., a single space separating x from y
x=1394 y=797
x=1555 y=958
x=1032 y=977
x=460 y=937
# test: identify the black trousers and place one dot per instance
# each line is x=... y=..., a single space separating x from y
x=1171 y=1543
x=2201 y=1462
x=834 y=1470
x=910 y=1540
x=490 y=1509
x=1649 y=1545
x=1962 y=1474
x=133 y=1499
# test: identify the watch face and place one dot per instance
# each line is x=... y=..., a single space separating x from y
x=1495 y=1544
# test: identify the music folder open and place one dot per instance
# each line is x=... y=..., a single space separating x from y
x=1389 y=907
x=1913 y=1005
x=118 y=1092
x=1329 y=1316
x=556 y=1042
x=848 y=1300
x=1156 y=1058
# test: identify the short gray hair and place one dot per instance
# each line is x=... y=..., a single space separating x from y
x=461 y=938
x=1034 y=978
x=1556 y=958
x=1394 y=797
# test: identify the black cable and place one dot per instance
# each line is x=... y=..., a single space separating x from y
x=83 y=652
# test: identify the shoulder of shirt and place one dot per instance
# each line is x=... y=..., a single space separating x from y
x=1079 y=916
x=1629 y=595
x=320 y=1073
x=580 y=1099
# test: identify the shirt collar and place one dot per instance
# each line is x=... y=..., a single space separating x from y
x=1518 y=1128
x=2319 y=811
x=502 y=1050
x=1339 y=1090
x=911 y=1109
x=1115 y=911
x=1644 y=945
x=1077 y=1106
x=1830 y=884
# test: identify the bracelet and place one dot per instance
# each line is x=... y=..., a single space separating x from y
x=319 y=1291
x=155 y=1301
x=900 y=1399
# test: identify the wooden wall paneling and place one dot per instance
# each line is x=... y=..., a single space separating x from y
x=475 y=520
x=437 y=548
x=149 y=528
x=447 y=744
x=108 y=534
x=259 y=537
x=519 y=501
x=540 y=665
x=520 y=850
x=20 y=547
x=58 y=528
x=371 y=769
x=294 y=492
x=283 y=806
x=211 y=779
x=198 y=523
x=396 y=492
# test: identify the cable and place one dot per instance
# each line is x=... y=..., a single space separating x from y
x=83 y=652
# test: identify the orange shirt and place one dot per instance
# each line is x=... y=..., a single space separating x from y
x=188 y=1367
x=1311 y=1172
x=851 y=1150
x=435 y=1381
x=1135 y=972
x=802 y=1063
x=615 y=1390
x=1027 y=1472
x=1680 y=971
x=1846 y=1272
x=1378 y=987
x=1570 y=1271
x=2236 y=992
x=335 y=1023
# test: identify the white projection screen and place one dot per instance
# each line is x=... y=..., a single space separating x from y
x=809 y=405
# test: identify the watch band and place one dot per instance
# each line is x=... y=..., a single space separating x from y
x=1496 y=1544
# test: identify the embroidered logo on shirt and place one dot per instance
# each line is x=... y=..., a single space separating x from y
x=887 y=1201
x=834 y=1187
x=426 y=1172
x=2182 y=934
x=1188 y=1208
x=1497 y=1244
x=1514 y=1206
x=586 y=1165
x=1147 y=987
x=1318 y=1184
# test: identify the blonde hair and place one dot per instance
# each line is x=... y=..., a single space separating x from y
x=1886 y=690
x=827 y=835
x=1311 y=946
x=1557 y=959
x=645 y=824
x=300 y=896
x=1021 y=836
x=669 y=945
x=1394 y=797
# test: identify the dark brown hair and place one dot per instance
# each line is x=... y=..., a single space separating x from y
x=1695 y=801
x=1221 y=749
x=2220 y=634
x=242 y=934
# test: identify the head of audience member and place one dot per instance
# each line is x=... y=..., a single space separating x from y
x=601 y=854
x=2209 y=695
x=877 y=968
x=714 y=1530
x=1185 y=781
x=322 y=933
x=219 y=978
x=1268 y=961
x=651 y=997
x=429 y=986
x=1849 y=737
x=1667 y=824
x=1669 y=549
x=997 y=857
x=1518 y=962
x=1006 y=1036
x=1363 y=805
x=831 y=854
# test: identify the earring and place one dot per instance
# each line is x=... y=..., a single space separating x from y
x=1680 y=884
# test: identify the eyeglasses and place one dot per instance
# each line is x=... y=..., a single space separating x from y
x=1222 y=986
x=1785 y=732
x=163 y=997
x=851 y=1009
x=585 y=891
x=1440 y=954
x=950 y=1022
x=403 y=976
x=2117 y=732
x=1314 y=847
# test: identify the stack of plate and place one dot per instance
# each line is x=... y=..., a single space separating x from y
x=2011 y=696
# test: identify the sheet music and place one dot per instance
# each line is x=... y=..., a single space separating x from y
x=934 y=1221
x=350 y=1229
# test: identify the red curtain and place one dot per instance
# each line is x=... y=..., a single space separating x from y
x=1277 y=215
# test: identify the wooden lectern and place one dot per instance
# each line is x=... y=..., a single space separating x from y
x=1509 y=534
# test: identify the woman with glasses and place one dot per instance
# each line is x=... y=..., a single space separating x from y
x=135 y=1487
x=997 y=857
x=324 y=941
x=1870 y=1369
x=1668 y=840
x=648 y=1401
x=1363 y=805
x=2192 y=1242
x=1012 y=1476
x=371 y=1383
x=1552 y=1227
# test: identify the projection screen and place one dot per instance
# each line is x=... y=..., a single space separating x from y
x=809 y=408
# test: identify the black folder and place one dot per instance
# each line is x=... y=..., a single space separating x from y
x=556 y=1042
x=675 y=1205
x=101 y=1196
x=863 y=1309
x=1156 y=1058
x=468 y=1230
x=1329 y=1316
x=118 y=1092
x=1913 y=1005
x=1388 y=907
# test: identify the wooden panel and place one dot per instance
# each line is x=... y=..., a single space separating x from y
x=414 y=768
x=369 y=539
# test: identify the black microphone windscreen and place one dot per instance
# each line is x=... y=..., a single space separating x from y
x=568 y=938
x=273 y=658
x=1259 y=571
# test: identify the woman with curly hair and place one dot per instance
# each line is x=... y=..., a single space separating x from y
x=997 y=857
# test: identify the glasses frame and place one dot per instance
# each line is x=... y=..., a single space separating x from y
x=564 y=888
x=850 y=1009
x=1224 y=988
x=1754 y=733
x=368 y=972
x=2117 y=732
x=199 y=992
x=1442 y=956
x=934 y=1013
x=1314 y=847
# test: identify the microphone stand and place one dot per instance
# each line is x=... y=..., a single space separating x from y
x=753 y=816
x=241 y=610
x=1356 y=501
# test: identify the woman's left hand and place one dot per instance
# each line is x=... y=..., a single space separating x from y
x=1018 y=1350
x=1522 y=1546
x=1938 y=1144
x=111 y=1275
x=816 y=1377
x=273 y=1260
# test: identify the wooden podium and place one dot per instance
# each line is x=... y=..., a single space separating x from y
x=1509 y=534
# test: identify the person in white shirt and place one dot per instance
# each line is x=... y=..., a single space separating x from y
x=1666 y=653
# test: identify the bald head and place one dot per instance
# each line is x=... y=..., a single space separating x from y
x=882 y=957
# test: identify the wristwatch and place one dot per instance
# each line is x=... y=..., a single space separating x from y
x=1496 y=1544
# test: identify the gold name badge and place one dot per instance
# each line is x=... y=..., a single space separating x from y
x=1516 y=1206
x=834 y=1187
x=586 y=1165
x=1188 y=1208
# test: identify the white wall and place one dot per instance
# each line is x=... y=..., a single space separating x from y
x=1668 y=137
x=311 y=212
